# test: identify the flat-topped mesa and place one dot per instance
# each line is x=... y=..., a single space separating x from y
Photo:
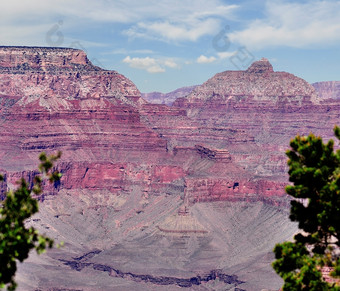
x=258 y=83
x=21 y=59
x=60 y=73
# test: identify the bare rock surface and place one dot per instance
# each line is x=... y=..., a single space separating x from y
x=167 y=98
x=259 y=82
x=61 y=73
x=154 y=197
x=254 y=114
x=121 y=242
x=328 y=89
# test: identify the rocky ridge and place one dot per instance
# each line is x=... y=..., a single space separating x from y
x=135 y=174
x=167 y=98
x=267 y=107
x=263 y=84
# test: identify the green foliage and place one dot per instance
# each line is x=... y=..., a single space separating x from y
x=314 y=170
x=15 y=239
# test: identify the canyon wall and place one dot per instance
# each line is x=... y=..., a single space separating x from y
x=190 y=194
x=167 y=98
x=55 y=99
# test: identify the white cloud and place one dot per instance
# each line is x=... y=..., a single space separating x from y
x=155 y=69
x=148 y=64
x=167 y=31
x=205 y=60
x=299 y=25
x=168 y=20
x=202 y=59
x=184 y=20
x=171 y=64
x=225 y=55
x=151 y=65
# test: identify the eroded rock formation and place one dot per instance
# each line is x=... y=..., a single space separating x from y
x=135 y=174
x=167 y=98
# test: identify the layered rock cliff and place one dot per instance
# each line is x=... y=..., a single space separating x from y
x=64 y=73
x=135 y=175
x=267 y=107
x=259 y=83
x=54 y=98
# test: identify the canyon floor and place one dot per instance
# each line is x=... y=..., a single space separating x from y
x=133 y=243
x=154 y=197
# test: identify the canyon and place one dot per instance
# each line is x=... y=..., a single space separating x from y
x=153 y=196
x=167 y=98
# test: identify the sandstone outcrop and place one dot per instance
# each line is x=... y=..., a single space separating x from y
x=259 y=83
x=61 y=73
x=135 y=174
x=54 y=98
x=266 y=108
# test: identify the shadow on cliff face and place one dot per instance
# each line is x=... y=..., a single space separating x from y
x=119 y=242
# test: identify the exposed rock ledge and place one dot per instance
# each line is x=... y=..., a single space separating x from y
x=40 y=59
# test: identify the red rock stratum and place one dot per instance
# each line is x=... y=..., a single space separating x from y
x=154 y=197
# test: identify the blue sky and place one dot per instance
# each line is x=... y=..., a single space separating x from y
x=162 y=45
